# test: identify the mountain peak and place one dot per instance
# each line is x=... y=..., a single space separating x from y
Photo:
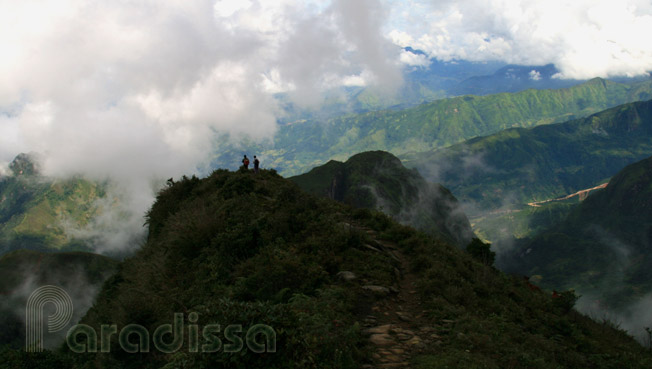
x=25 y=164
x=378 y=180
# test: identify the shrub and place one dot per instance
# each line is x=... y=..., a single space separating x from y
x=481 y=251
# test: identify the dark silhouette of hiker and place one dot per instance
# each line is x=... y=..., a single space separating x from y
x=256 y=164
x=245 y=162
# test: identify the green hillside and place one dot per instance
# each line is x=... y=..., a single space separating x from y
x=378 y=180
x=603 y=246
x=302 y=145
x=519 y=165
x=341 y=288
x=34 y=210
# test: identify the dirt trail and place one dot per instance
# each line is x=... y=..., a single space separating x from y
x=582 y=194
x=396 y=326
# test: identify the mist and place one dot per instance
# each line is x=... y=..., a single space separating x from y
x=633 y=319
x=73 y=277
x=138 y=92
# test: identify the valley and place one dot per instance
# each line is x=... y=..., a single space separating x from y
x=581 y=194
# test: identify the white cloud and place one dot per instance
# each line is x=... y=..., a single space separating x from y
x=174 y=72
x=401 y=38
x=140 y=90
x=4 y=169
x=416 y=60
x=353 y=81
x=584 y=38
x=226 y=8
x=535 y=75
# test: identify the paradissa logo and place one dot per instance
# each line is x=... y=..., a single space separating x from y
x=34 y=315
x=133 y=338
x=169 y=338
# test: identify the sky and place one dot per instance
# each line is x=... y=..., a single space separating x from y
x=139 y=90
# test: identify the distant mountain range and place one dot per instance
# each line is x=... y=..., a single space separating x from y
x=433 y=79
x=514 y=78
x=302 y=145
x=378 y=180
x=520 y=165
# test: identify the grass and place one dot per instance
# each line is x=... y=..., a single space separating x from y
x=239 y=248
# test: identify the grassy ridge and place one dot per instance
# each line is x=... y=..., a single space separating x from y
x=239 y=248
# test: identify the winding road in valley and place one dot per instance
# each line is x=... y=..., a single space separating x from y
x=582 y=194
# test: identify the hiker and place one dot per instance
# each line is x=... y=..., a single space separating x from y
x=256 y=164
x=245 y=162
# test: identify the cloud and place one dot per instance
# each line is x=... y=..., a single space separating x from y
x=4 y=169
x=584 y=39
x=415 y=60
x=535 y=75
x=80 y=76
x=140 y=91
x=75 y=279
x=633 y=318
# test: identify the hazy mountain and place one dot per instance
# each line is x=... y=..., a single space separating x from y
x=435 y=79
x=36 y=211
x=421 y=83
x=338 y=286
x=513 y=78
x=378 y=180
x=302 y=145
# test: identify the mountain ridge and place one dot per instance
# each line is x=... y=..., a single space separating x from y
x=541 y=162
x=378 y=180
x=299 y=146
x=313 y=272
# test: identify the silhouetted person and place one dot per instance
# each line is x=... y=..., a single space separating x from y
x=256 y=164
x=245 y=162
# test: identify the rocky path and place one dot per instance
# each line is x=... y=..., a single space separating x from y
x=396 y=327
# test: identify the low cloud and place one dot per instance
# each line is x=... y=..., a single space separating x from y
x=535 y=75
x=4 y=169
x=471 y=162
x=414 y=60
x=136 y=92
x=598 y=301
x=633 y=318
x=117 y=228
x=73 y=279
